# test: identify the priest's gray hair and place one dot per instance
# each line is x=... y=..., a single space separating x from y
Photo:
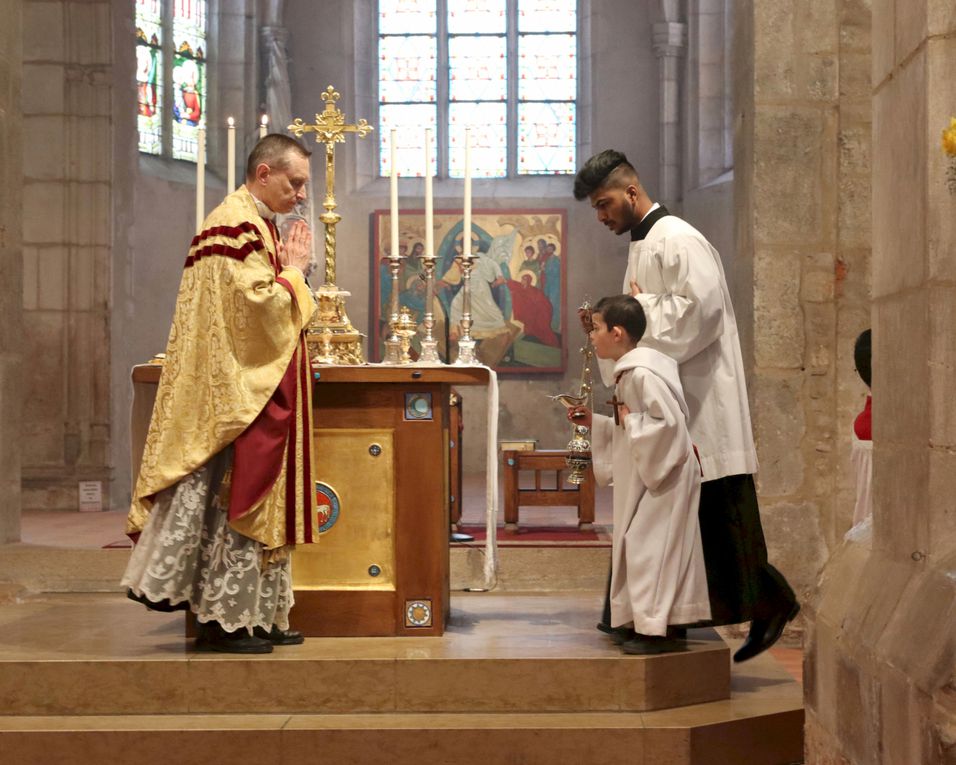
x=607 y=168
x=274 y=150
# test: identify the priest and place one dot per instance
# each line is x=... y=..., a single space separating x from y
x=678 y=278
x=225 y=486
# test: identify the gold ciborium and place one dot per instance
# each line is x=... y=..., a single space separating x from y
x=405 y=327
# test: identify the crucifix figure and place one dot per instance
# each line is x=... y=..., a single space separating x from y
x=615 y=407
x=330 y=128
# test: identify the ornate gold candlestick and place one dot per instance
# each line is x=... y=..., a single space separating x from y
x=466 y=344
x=393 y=343
x=331 y=319
x=429 y=353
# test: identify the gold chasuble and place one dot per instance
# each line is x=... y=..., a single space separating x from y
x=237 y=372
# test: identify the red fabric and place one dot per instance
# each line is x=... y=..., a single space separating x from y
x=863 y=424
x=259 y=449
x=307 y=486
x=532 y=308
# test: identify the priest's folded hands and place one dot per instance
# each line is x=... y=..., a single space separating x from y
x=296 y=249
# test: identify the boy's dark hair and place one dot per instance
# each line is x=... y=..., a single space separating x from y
x=274 y=150
x=862 y=356
x=596 y=170
x=625 y=312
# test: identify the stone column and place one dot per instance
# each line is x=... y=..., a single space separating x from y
x=11 y=266
x=67 y=237
x=670 y=42
x=879 y=668
x=802 y=183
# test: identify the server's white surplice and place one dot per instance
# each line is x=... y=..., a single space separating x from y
x=658 y=575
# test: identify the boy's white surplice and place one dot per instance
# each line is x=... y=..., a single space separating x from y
x=657 y=571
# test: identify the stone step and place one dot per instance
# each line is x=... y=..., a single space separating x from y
x=736 y=732
x=104 y=655
x=521 y=569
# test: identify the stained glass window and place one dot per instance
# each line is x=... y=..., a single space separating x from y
x=189 y=76
x=149 y=71
x=171 y=100
x=508 y=70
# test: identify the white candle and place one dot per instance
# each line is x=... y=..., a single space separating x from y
x=263 y=125
x=393 y=189
x=231 y=156
x=429 y=202
x=200 y=178
x=466 y=241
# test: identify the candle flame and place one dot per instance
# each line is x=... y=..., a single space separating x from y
x=265 y=120
x=231 y=122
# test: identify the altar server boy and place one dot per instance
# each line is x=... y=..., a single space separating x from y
x=657 y=562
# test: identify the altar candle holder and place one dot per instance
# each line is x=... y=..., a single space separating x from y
x=393 y=343
x=466 y=344
x=429 y=354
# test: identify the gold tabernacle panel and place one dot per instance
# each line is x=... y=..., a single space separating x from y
x=409 y=497
x=356 y=487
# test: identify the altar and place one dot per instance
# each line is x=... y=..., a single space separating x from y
x=381 y=442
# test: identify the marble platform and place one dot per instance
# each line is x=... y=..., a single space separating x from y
x=517 y=678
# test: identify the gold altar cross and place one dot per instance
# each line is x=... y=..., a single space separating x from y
x=330 y=128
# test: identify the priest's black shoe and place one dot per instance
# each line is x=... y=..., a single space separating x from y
x=279 y=637
x=765 y=632
x=647 y=645
x=212 y=637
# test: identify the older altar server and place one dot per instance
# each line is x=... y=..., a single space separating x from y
x=678 y=278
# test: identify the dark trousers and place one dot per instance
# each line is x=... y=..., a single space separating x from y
x=742 y=584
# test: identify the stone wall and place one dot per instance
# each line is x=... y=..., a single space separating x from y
x=154 y=217
x=67 y=205
x=11 y=300
x=879 y=668
x=802 y=176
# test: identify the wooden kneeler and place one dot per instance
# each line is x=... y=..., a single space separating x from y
x=563 y=495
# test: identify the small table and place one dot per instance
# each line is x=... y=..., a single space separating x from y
x=562 y=495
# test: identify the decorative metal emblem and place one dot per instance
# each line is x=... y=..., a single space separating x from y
x=328 y=507
x=418 y=406
x=375 y=450
x=418 y=613
x=374 y=570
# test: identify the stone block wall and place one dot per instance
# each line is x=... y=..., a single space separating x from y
x=67 y=204
x=802 y=175
x=881 y=650
x=11 y=300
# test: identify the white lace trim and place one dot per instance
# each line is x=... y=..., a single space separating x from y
x=187 y=552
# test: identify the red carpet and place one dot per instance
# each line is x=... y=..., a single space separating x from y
x=542 y=536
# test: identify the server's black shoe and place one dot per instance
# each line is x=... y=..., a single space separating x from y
x=647 y=645
x=765 y=632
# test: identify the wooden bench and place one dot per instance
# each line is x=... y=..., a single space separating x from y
x=562 y=495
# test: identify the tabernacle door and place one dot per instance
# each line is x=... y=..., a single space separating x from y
x=381 y=566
